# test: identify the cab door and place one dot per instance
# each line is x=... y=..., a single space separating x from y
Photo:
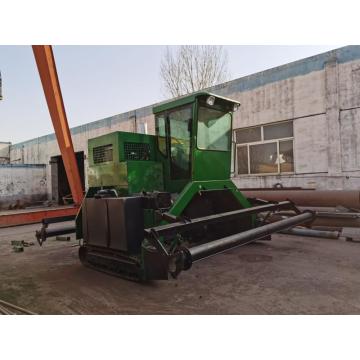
x=173 y=130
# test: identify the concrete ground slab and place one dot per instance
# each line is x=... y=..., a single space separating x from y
x=288 y=275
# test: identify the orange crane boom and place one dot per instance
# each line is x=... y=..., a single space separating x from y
x=45 y=62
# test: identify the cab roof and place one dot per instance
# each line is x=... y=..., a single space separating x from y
x=187 y=99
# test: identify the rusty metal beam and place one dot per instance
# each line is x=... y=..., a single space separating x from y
x=45 y=61
x=321 y=198
x=34 y=216
x=299 y=231
x=323 y=219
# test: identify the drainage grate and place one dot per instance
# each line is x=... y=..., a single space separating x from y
x=137 y=151
x=103 y=153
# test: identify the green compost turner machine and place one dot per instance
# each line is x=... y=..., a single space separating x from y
x=158 y=203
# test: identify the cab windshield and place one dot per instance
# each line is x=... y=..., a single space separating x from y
x=214 y=129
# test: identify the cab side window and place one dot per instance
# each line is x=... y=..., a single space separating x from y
x=180 y=141
x=161 y=133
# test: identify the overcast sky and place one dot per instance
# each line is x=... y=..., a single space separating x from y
x=100 y=81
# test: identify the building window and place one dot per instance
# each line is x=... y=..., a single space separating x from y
x=244 y=136
x=266 y=149
x=263 y=158
x=242 y=159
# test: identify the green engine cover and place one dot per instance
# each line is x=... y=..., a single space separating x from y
x=125 y=161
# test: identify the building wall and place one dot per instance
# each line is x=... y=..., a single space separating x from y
x=320 y=94
x=40 y=150
x=4 y=152
x=22 y=184
x=322 y=97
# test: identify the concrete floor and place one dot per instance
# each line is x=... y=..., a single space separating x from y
x=288 y=275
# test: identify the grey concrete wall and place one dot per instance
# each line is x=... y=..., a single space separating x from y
x=25 y=184
x=324 y=106
x=40 y=152
x=320 y=94
x=4 y=152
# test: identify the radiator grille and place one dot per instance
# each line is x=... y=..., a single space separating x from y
x=137 y=151
x=103 y=153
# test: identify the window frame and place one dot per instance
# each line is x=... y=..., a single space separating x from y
x=168 y=135
x=164 y=114
x=197 y=127
x=260 y=142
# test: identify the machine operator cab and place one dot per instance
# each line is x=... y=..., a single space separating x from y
x=194 y=138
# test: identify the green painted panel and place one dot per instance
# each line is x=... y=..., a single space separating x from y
x=193 y=187
x=118 y=160
x=127 y=138
x=144 y=176
x=108 y=174
x=211 y=165
x=108 y=139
